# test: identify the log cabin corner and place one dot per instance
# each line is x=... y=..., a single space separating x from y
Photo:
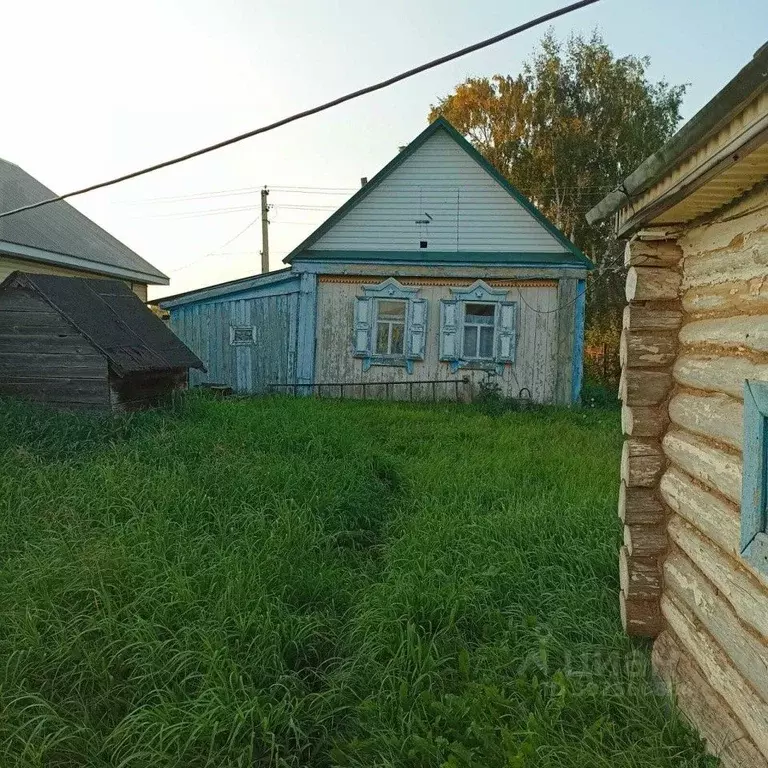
x=694 y=354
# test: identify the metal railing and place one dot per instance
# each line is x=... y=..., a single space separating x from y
x=359 y=389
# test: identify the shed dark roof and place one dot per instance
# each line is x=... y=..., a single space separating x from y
x=61 y=229
x=113 y=319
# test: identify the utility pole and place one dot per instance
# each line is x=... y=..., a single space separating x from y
x=264 y=231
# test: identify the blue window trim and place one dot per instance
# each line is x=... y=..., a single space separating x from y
x=478 y=293
x=754 y=495
x=390 y=289
x=393 y=361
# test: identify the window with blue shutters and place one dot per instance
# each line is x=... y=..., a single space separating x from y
x=449 y=330
x=390 y=325
x=417 y=329
x=506 y=343
x=363 y=327
x=478 y=327
x=754 y=495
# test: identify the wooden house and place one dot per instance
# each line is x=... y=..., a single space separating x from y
x=694 y=565
x=85 y=343
x=437 y=271
x=57 y=239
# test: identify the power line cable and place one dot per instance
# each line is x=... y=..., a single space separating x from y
x=240 y=191
x=220 y=248
x=196 y=214
x=232 y=209
x=317 y=109
x=329 y=191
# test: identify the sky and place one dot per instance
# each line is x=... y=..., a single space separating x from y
x=96 y=88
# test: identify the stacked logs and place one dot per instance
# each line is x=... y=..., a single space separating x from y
x=648 y=349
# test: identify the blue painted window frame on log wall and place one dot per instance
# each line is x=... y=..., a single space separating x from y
x=453 y=322
x=366 y=316
x=754 y=496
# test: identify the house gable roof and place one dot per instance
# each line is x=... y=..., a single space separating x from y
x=113 y=319
x=58 y=233
x=559 y=250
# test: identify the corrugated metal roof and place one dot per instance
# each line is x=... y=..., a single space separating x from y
x=113 y=319
x=59 y=228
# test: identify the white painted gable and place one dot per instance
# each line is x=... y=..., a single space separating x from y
x=467 y=210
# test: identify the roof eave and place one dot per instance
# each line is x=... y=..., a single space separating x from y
x=447 y=258
x=732 y=98
x=75 y=262
x=219 y=289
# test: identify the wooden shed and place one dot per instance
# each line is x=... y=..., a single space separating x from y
x=85 y=343
x=694 y=565
x=434 y=277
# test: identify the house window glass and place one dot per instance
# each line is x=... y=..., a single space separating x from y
x=479 y=331
x=390 y=327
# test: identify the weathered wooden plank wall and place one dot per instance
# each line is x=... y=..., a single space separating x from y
x=43 y=358
x=714 y=647
x=205 y=328
x=538 y=343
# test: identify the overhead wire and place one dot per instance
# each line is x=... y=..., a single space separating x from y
x=239 y=191
x=543 y=19
x=318 y=191
x=220 y=248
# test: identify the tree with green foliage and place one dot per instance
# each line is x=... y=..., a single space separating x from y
x=566 y=131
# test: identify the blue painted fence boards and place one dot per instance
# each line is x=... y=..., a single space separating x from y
x=248 y=368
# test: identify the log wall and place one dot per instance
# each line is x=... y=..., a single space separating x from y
x=683 y=580
x=649 y=348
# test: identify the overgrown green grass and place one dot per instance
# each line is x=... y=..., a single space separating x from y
x=312 y=583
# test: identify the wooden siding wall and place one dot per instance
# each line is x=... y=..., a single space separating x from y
x=43 y=358
x=544 y=343
x=205 y=327
x=10 y=264
x=470 y=211
x=683 y=466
